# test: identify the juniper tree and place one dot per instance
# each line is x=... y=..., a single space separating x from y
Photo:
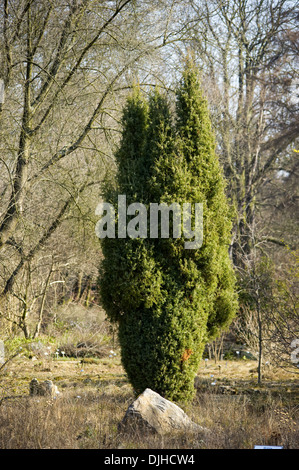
x=168 y=300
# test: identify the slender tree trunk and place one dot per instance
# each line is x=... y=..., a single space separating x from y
x=260 y=341
x=42 y=306
x=14 y=209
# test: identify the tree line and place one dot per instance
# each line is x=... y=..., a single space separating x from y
x=67 y=69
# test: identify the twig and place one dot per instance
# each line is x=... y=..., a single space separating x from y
x=9 y=359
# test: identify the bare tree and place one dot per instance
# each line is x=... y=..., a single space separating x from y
x=268 y=322
x=248 y=50
x=66 y=68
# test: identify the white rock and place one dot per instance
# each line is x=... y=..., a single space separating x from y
x=153 y=413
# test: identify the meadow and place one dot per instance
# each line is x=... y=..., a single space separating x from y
x=94 y=394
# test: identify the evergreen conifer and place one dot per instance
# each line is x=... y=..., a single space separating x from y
x=168 y=301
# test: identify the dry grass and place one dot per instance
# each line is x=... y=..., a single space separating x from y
x=94 y=398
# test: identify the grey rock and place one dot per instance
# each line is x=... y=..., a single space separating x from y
x=227 y=390
x=150 y=412
x=46 y=388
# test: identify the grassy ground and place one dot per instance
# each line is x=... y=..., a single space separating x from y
x=94 y=397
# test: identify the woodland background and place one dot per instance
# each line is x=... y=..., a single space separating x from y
x=67 y=68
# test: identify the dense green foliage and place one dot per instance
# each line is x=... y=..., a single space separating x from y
x=168 y=300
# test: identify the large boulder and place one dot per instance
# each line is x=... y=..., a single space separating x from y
x=152 y=413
